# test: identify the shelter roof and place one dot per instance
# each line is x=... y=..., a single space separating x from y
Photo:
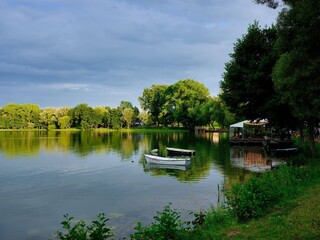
x=258 y=122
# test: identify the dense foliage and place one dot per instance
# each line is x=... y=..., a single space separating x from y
x=296 y=73
x=82 y=116
x=186 y=103
x=274 y=72
x=247 y=86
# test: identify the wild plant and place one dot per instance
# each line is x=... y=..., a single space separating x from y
x=167 y=225
x=81 y=231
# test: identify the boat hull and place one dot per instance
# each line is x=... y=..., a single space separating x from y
x=152 y=166
x=167 y=160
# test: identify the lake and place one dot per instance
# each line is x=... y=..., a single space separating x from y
x=44 y=175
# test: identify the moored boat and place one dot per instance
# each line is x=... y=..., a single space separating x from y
x=167 y=160
x=180 y=151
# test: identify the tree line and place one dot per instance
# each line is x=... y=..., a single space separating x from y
x=186 y=103
x=82 y=116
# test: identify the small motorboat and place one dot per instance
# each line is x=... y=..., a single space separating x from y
x=180 y=152
x=167 y=160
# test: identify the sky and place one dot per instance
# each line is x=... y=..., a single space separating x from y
x=58 y=53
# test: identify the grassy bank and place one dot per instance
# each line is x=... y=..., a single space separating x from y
x=295 y=216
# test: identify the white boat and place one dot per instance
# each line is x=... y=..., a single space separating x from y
x=167 y=160
x=180 y=151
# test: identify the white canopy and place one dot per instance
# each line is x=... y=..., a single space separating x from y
x=254 y=123
x=239 y=124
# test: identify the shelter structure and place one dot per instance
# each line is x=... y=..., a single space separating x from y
x=248 y=132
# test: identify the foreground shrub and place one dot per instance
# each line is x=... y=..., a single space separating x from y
x=80 y=231
x=248 y=200
x=167 y=225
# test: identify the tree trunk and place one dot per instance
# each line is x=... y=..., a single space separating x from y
x=311 y=136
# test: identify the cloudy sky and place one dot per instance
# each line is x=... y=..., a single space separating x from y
x=100 y=52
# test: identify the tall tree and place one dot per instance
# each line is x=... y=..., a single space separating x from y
x=48 y=118
x=153 y=100
x=247 y=86
x=296 y=74
x=128 y=116
x=83 y=116
x=182 y=98
x=115 y=118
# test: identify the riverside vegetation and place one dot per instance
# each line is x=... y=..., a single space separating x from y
x=281 y=203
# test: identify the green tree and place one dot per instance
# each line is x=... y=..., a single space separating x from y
x=128 y=116
x=153 y=100
x=296 y=74
x=128 y=105
x=247 y=86
x=64 y=122
x=125 y=104
x=106 y=120
x=182 y=98
x=269 y=3
x=83 y=116
x=115 y=118
x=21 y=115
x=215 y=111
x=48 y=118
x=144 y=117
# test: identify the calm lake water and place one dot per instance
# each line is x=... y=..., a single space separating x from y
x=44 y=175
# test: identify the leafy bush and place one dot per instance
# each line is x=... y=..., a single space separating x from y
x=248 y=200
x=258 y=195
x=167 y=225
x=80 y=231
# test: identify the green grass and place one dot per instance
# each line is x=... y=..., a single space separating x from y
x=296 y=218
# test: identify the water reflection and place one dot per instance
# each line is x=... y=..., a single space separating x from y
x=84 y=173
x=250 y=158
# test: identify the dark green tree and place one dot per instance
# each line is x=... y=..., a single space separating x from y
x=83 y=116
x=296 y=74
x=116 y=118
x=247 y=86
